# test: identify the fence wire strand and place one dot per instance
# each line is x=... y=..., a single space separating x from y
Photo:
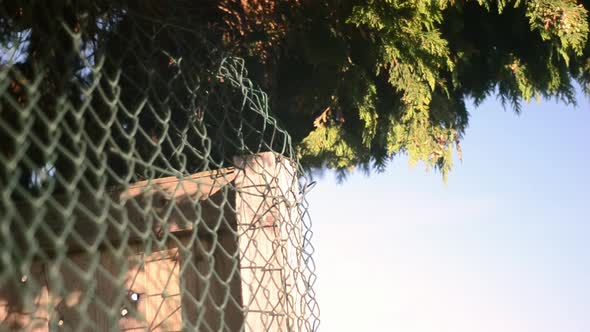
x=144 y=184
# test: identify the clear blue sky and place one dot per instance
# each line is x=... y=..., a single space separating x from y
x=503 y=247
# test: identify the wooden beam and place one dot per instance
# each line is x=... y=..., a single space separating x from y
x=144 y=209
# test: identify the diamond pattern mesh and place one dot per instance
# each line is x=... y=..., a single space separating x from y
x=144 y=184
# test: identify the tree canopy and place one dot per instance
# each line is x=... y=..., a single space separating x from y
x=359 y=82
x=355 y=83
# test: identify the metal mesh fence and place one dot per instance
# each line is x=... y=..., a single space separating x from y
x=144 y=184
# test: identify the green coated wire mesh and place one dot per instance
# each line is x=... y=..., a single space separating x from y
x=144 y=184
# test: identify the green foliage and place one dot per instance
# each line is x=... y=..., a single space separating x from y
x=561 y=22
x=396 y=74
x=354 y=82
x=325 y=146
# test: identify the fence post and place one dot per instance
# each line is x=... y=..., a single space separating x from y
x=269 y=235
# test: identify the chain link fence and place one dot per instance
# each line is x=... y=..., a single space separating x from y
x=144 y=184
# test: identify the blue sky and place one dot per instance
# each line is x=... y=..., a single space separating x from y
x=504 y=246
